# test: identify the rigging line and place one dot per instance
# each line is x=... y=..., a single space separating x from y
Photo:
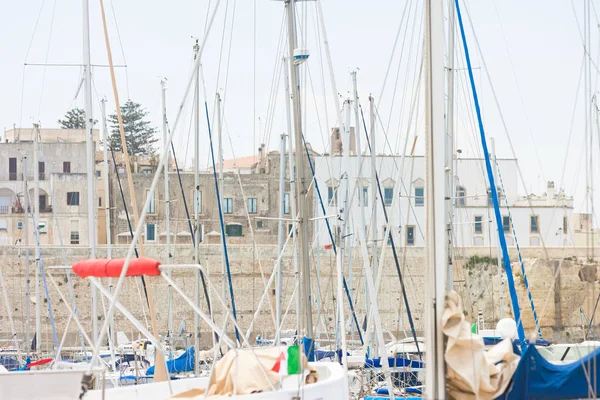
x=525 y=280
x=45 y=69
x=224 y=101
x=506 y=259
x=514 y=73
x=277 y=64
x=505 y=128
x=387 y=71
x=37 y=21
x=121 y=46
x=42 y=271
x=321 y=69
x=334 y=247
x=411 y=41
x=220 y=208
x=112 y=152
x=189 y=221
x=417 y=61
x=250 y=226
x=395 y=254
x=401 y=180
x=585 y=50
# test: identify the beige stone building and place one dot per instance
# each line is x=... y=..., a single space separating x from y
x=62 y=186
x=250 y=193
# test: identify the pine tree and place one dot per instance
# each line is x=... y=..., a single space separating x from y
x=139 y=135
x=74 y=119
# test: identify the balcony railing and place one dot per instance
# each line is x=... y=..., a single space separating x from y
x=4 y=209
x=21 y=210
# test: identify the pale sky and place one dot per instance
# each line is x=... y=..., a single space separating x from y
x=533 y=51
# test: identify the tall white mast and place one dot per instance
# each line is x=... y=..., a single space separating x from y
x=107 y=216
x=280 y=235
x=36 y=224
x=374 y=205
x=450 y=191
x=292 y=174
x=221 y=190
x=301 y=187
x=359 y=184
x=345 y=226
x=163 y=93
x=196 y=205
x=91 y=164
x=435 y=187
x=27 y=271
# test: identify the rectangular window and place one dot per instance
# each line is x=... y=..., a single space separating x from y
x=99 y=202
x=228 y=205
x=290 y=228
x=259 y=224
x=198 y=202
x=506 y=223
x=410 y=235
x=365 y=197
x=42 y=170
x=388 y=195
x=12 y=169
x=43 y=203
x=478 y=224
x=534 y=224
x=74 y=231
x=252 y=205
x=151 y=204
x=565 y=225
x=99 y=174
x=72 y=198
x=419 y=196
x=150 y=232
x=3 y=224
x=286 y=203
x=461 y=196
x=66 y=167
x=331 y=196
x=233 y=230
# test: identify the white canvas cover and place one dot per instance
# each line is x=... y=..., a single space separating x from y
x=471 y=371
x=242 y=371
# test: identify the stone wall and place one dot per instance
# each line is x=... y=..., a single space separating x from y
x=475 y=280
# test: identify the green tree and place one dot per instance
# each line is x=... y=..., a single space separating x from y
x=74 y=119
x=139 y=135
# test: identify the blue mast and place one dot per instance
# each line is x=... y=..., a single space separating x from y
x=488 y=166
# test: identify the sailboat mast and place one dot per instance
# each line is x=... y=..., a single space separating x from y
x=280 y=236
x=27 y=270
x=107 y=218
x=163 y=97
x=89 y=140
x=435 y=187
x=36 y=224
x=374 y=205
x=292 y=175
x=301 y=187
x=221 y=187
x=450 y=191
x=197 y=205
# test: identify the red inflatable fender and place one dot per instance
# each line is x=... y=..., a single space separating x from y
x=104 y=268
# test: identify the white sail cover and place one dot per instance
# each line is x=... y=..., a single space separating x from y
x=243 y=371
x=471 y=371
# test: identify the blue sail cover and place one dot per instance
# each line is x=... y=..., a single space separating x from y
x=537 y=378
x=183 y=363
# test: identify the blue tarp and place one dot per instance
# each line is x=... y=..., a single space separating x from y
x=393 y=362
x=537 y=378
x=183 y=363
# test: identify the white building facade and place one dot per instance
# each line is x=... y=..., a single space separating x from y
x=545 y=219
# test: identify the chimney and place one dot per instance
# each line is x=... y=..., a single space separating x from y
x=550 y=191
